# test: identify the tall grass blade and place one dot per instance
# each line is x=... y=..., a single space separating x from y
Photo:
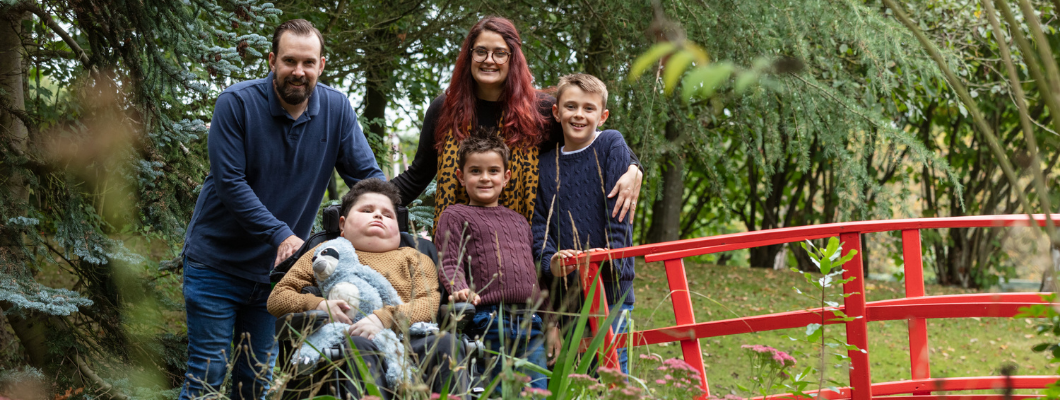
x=558 y=386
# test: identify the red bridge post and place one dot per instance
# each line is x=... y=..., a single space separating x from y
x=914 y=287
x=608 y=352
x=857 y=329
x=682 y=299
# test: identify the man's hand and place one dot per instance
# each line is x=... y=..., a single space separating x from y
x=367 y=327
x=628 y=191
x=337 y=309
x=465 y=295
x=287 y=248
x=553 y=345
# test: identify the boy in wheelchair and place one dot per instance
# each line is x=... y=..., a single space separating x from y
x=369 y=221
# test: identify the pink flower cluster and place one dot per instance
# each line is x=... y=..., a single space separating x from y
x=535 y=393
x=784 y=359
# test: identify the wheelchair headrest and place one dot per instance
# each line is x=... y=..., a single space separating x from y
x=330 y=218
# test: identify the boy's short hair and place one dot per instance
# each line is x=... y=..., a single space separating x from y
x=483 y=140
x=370 y=185
x=587 y=83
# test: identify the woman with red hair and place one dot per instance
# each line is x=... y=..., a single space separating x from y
x=492 y=88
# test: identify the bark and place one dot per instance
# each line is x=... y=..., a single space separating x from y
x=377 y=94
x=32 y=332
x=595 y=63
x=14 y=131
x=666 y=212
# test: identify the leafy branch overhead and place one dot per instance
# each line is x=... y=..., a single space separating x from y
x=703 y=77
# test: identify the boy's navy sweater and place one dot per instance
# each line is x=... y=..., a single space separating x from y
x=268 y=173
x=579 y=206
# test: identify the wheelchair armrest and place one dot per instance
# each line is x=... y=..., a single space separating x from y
x=458 y=313
x=290 y=326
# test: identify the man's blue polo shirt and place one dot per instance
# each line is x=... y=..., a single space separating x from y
x=268 y=173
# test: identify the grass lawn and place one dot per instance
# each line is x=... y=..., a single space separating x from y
x=959 y=347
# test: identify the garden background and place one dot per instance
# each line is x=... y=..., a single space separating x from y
x=814 y=112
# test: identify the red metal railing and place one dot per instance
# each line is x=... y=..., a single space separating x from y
x=916 y=306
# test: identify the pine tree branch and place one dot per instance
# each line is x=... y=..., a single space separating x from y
x=47 y=19
x=45 y=53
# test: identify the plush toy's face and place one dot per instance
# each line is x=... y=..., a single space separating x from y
x=372 y=224
x=324 y=265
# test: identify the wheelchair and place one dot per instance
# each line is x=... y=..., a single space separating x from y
x=451 y=317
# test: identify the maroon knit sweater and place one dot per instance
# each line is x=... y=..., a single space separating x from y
x=479 y=242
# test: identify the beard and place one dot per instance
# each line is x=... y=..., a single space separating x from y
x=292 y=94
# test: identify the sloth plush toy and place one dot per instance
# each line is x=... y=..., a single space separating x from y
x=341 y=276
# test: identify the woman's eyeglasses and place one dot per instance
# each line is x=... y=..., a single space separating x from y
x=480 y=54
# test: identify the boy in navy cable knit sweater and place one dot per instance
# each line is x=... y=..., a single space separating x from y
x=571 y=203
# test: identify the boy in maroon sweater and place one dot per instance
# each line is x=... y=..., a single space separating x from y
x=487 y=261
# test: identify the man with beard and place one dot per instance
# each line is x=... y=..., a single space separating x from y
x=273 y=145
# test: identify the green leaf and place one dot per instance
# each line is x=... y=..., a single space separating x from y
x=1040 y=347
x=833 y=246
x=713 y=77
x=648 y=58
x=369 y=384
x=744 y=81
x=558 y=387
x=598 y=339
x=814 y=332
x=675 y=67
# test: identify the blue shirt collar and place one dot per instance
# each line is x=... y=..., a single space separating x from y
x=277 y=109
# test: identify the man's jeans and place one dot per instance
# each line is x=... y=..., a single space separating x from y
x=520 y=332
x=220 y=308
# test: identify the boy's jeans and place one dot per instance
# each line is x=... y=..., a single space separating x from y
x=220 y=308
x=522 y=332
x=621 y=325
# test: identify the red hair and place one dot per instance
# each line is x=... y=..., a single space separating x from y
x=523 y=123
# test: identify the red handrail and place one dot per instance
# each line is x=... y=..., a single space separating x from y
x=915 y=307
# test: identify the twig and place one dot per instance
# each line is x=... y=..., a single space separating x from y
x=85 y=369
x=47 y=19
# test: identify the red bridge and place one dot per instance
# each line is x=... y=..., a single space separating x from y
x=915 y=307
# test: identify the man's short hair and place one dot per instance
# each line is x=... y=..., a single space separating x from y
x=370 y=185
x=484 y=140
x=587 y=83
x=299 y=27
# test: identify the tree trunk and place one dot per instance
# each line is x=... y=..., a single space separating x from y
x=30 y=331
x=377 y=91
x=595 y=63
x=666 y=212
x=12 y=81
